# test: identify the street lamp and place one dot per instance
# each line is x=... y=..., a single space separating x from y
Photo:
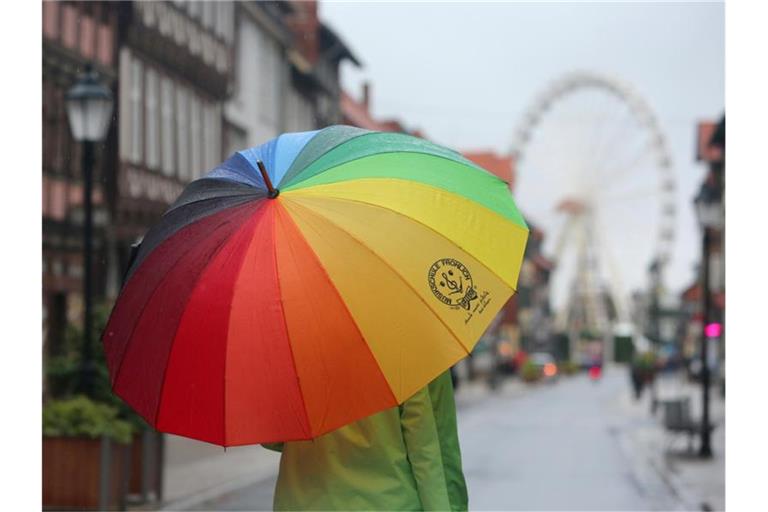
x=709 y=211
x=89 y=109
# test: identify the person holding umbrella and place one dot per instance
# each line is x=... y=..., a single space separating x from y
x=404 y=458
x=309 y=291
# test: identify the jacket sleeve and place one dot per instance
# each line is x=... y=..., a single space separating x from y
x=275 y=447
x=444 y=408
x=422 y=445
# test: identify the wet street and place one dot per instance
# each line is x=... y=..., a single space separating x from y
x=558 y=446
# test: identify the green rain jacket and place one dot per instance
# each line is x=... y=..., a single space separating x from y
x=404 y=458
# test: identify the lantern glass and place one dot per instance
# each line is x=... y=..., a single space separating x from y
x=709 y=213
x=89 y=108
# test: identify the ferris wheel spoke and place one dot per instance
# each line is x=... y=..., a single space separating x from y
x=601 y=135
x=623 y=169
x=593 y=140
x=616 y=286
x=611 y=143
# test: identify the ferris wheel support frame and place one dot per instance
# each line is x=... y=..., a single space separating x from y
x=656 y=144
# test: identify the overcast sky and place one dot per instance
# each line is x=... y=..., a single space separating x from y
x=464 y=72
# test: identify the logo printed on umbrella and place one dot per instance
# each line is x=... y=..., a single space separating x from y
x=451 y=282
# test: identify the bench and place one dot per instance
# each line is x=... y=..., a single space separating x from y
x=678 y=419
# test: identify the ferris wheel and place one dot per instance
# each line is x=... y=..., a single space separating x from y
x=595 y=174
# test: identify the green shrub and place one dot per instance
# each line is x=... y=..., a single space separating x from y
x=82 y=417
x=530 y=372
x=568 y=367
x=63 y=371
x=646 y=360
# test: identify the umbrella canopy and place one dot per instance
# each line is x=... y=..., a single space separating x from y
x=281 y=305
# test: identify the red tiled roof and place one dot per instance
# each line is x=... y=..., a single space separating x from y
x=704 y=150
x=501 y=166
x=509 y=311
x=692 y=293
x=356 y=114
x=542 y=262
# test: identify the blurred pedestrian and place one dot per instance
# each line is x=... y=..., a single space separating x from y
x=403 y=458
x=637 y=379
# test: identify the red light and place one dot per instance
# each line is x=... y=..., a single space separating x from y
x=713 y=330
x=594 y=372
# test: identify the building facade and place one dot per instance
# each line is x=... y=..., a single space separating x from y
x=193 y=81
x=255 y=111
x=175 y=74
x=710 y=151
x=525 y=323
x=75 y=34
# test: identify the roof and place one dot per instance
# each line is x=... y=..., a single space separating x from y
x=500 y=165
x=509 y=311
x=333 y=47
x=543 y=263
x=357 y=113
x=693 y=294
x=706 y=151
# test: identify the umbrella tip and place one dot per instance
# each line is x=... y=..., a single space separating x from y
x=272 y=192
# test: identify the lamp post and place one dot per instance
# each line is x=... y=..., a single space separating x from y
x=89 y=110
x=709 y=211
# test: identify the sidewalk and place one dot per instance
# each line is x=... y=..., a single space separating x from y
x=698 y=483
x=196 y=472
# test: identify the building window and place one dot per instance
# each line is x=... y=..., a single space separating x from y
x=168 y=129
x=196 y=159
x=51 y=19
x=152 y=131
x=182 y=132
x=217 y=135
x=195 y=9
x=57 y=323
x=209 y=13
x=69 y=29
x=124 y=118
x=209 y=137
x=137 y=110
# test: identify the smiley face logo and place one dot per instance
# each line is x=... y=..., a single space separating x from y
x=451 y=283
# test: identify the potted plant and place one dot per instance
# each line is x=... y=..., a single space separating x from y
x=530 y=372
x=568 y=367
x=96 y=428
x=645 y=364
x=85 y=455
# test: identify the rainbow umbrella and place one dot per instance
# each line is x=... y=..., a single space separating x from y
x=256 y=312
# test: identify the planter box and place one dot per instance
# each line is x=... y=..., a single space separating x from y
x=82 y=473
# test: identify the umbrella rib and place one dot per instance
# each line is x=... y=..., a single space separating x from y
x=417 y=221
x=186 y=301
x=467 y=163
x=294 y=170
x=285 y=326
x=324 y=365
x=146 y=250
x=133 y=329
x=173 y=344
x=321 y=429
x=244 y=196
x=399 y=276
